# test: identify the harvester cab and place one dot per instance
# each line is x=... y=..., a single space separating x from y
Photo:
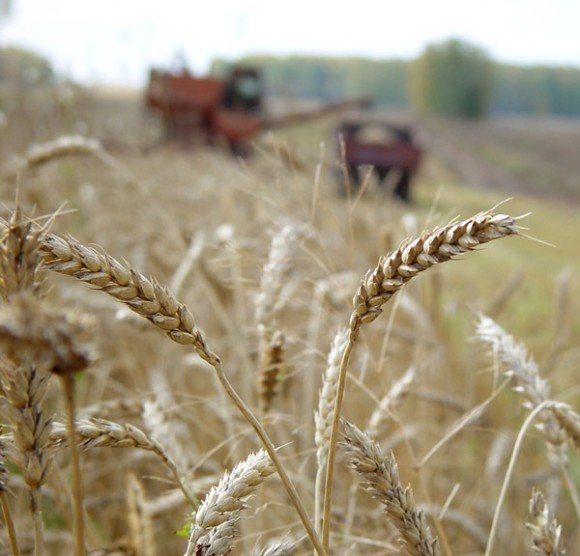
x=244 y=90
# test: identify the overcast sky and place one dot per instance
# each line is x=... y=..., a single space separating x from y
x=115 y=41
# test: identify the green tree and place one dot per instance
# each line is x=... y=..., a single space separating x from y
x=453 y=79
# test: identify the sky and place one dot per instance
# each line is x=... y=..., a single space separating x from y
x=115 y=41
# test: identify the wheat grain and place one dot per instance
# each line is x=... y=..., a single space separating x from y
x=143 y=295
x=271 y=368
x=413 y=257
x=323 y=415
x=112 y=408
x=569 y=420
x=57 y=340
x=380 y=477
x=100 y=433
x=275 y=276
x=528 y=382
x=24 y=382
x=154 y=302
x=546 y=533
x=386 y=279
x=224 y=502
x=20 y=268
x=40 y=154
x=398 y=390
x=283 y=547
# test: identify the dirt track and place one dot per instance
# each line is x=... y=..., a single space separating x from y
x=535 y=156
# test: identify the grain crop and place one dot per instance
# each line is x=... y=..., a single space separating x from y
x=252 y=270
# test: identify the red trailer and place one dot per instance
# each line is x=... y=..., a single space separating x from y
x=385 y=147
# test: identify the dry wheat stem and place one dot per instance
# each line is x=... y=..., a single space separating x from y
x=9 y=525
x=387 y=278
x=546 y=533
x=5 y=506
x=154 y=302
x=67 y=382
x=139 y=519
x=380 y=477
x=509 y=473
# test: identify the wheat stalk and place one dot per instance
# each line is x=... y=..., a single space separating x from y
x=386 y=279
x=524 y=371
x=139 y=518
x=169 y=432
x=380 y=477
x=399 y=389
x=224 y=502
x=283 y=547
x=276 y=272
x=154 y=302
x=24 y=383
x=323 y=416
x=141 y=294
x=59 y=342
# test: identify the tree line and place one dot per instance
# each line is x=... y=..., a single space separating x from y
x=453 y=78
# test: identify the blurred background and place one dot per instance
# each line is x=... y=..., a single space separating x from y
x=514 y=68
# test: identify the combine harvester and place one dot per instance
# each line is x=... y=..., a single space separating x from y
x=229 y=111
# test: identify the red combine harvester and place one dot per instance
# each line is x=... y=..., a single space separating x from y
x=227 y=110
x=390 y=150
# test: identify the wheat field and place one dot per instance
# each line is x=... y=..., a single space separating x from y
x=206 y=356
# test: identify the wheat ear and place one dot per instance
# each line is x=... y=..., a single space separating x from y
x=24 y=384
x=323 y=417
x=284 y=547
x=271 y=369
x=546 y=533
x=154 y=302
x=523 y=370
x=67 y=145
x=386 y=279
x=380 y=477
x=224 y=502
x=100 y=433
